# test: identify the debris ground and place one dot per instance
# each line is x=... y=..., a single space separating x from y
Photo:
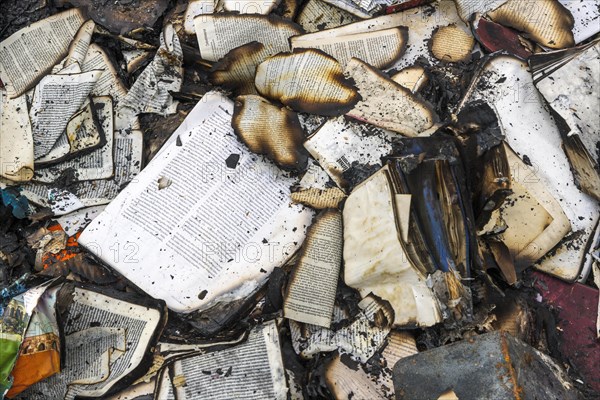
x=299 y=199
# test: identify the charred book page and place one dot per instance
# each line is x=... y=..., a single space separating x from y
x=16 y=143
x=205 y=221
x=312 y=287
x=252 y=370
x=56 y=99
x=28 y=55
x=576 y=111
x=220 y=33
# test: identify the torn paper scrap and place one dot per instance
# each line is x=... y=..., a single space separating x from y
x=16 y=139
x=313 y=283
x=386 y=104
x=151 y=91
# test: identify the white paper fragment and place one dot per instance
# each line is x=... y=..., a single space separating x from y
x=339 y=144
x=195 y=8
x=16 y=140
x=78 y=220
x=151 y=91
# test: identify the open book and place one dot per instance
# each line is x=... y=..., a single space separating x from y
x=205 y=221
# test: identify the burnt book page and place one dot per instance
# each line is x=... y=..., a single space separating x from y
x=317 y=15
x=587 y=18
x=535 y=219
x=59 y=151
x=507 y=85
x=16 y=139
x=29 y=54
x=548 y=23
x=379 y=48
x=451 y=43
x=127 y=152
x=195 y=8
x=555 y=74
x=83 y=130
x=422 y=21
x=83 y=133
x=340 y=146
x=252 y=370
x=347 y=380
x=386 y=104
x=311 y=290
x=109 y=83
x=107 y=339
x=56 y=99
x=151 y=91
x=307 y=80
x=191 y=237
x=220 y=33
x=80 y=44
x=361 y=339
x=271 y=130
x=97 y=164
x=236 y=71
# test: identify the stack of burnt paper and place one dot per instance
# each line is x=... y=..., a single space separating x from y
x=74 y=135
x=328 y=196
